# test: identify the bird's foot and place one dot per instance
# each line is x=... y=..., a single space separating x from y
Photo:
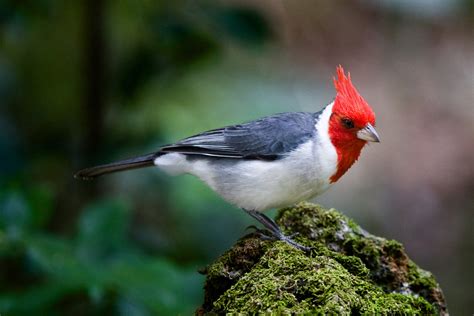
x=293 y=243
x=273 y=232
x=264 y=234
x=280 y=236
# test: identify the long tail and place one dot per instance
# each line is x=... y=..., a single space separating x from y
x=122 y=165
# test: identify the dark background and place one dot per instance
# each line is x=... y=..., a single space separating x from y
x=87 y=82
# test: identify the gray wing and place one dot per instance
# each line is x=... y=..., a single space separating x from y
x=268 y=138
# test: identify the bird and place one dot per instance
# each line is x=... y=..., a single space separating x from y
x=272 y=162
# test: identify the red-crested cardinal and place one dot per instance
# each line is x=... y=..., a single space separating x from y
x=271 y=162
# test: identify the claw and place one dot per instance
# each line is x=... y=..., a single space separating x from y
x=293 y=235
x=266 y=237
x=293 y=243
x=255 y=228
x=272 y=231
x=262 y=233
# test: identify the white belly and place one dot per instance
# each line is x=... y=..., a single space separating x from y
x=260 y=185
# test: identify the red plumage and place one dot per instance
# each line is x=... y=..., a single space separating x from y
x=349 y=102
x=348 y=106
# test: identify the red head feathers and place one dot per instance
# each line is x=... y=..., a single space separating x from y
x=350 y=116
x=349 y=102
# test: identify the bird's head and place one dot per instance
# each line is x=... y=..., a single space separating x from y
x=351 y=124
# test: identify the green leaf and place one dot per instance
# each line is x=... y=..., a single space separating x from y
x=23 y=209
x=14 y=213
x=102 y=230
x=158 y=284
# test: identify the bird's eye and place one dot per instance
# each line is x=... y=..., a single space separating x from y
x=348 y=123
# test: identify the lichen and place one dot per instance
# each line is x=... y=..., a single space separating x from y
x=348 y=271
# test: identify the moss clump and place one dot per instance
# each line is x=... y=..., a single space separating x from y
x=348 y=271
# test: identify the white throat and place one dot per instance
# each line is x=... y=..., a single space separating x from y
x=327 y=153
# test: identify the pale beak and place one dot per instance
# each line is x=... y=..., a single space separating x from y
x=368 y=133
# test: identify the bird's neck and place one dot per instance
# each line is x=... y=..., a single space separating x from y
x=347 y=147
x=347 y=154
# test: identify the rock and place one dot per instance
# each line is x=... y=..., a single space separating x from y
x=348 y=271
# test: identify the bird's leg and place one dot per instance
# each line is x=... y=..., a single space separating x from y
x=273 y=228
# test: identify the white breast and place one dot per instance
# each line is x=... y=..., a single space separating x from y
x=325 y=154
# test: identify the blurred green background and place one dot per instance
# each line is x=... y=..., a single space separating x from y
x=87 y=82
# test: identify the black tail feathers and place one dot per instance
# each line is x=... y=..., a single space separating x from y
x=127 y=164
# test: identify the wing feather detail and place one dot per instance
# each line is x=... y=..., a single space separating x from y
x=268 y=138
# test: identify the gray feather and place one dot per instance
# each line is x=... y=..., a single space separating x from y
x=268 y=138
x=122 y=165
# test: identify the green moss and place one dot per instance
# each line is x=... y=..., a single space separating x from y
x=285 y=280
x=348 y=271
x=423 y=283
x=353 y=265
x=393 y=248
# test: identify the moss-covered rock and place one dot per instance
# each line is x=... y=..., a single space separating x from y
x=347 y=272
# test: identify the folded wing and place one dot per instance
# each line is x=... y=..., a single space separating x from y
x=269 y=138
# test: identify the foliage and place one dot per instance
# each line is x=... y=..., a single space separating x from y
x=97 y=270
x=72 y=74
